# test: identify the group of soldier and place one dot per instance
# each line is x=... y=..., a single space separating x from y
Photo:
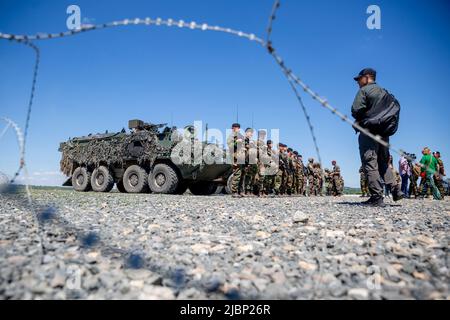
x=261 y=170
x=416 y=182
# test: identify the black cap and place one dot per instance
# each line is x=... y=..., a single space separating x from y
x=296 y=153
x=235 y=125
x=366 y=72
x=269 y=141
x=289 y=150
x=249 y=129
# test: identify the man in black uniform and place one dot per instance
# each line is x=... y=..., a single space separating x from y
x=374 y=156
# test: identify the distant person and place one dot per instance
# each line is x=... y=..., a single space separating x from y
x=338 y=187
x=440 y=174
x=429 y=168
x=405 y=172
x=235 y=144
x=370 y=109
x=364 y=183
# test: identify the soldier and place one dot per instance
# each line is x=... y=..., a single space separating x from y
x=300 y=175
x=290 y=171
x=310 y=168
x=440 y=174
x=235 y=144
x=328 y=183
x=363 y=183
x=269 y=170
x=305 y=180
x=318 y=183
x=251 y=167
x=280 y=175
x=294 y=173
x=341 y=184
x=337 y=179
x=263 y=160
x=296 y=188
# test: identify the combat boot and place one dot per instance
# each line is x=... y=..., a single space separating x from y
x=378 y=202
x=397 y=194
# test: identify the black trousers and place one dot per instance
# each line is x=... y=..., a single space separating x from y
x=375 y=162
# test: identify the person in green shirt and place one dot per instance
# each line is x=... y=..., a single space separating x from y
x=429 y=167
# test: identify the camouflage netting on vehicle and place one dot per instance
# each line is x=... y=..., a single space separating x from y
x=111 y=149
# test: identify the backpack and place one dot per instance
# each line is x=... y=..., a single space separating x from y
x=383 y=118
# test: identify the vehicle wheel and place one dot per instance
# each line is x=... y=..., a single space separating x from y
x=229 y=183
x=203 y=188
x=219 y=190
x=102 y=180
x=163 y=179
x=81 y=179
x=120 y=186
x=181 y=189
x=135 y=179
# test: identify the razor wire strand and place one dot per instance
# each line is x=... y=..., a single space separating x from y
x=21 y=143
x=272 y=17
x=287 y=72
x=30 y=104
x=137 y=21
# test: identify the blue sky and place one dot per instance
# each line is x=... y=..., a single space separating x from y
x=98 y=80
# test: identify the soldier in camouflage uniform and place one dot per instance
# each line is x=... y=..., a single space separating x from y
x=286 y=172
x=300 y=175
x=337 y=179
x=310 y=168
x=318 y=183
x=328 y=182
x=270 y=169
x=280 y=175
x=364 y=182
x=305 y=180
x=262 y=162
x=290 y=171
x=342 y=184
x=440 y=174
x=235 y=144
x=296 y=189
x=251 y=166
x=294 y=173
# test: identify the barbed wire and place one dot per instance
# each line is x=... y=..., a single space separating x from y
x=137 y=21
x=286 y=72
x=21 y=144
x=30 y=104
x=272 y=17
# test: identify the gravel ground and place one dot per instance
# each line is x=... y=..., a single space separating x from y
x=124 y=246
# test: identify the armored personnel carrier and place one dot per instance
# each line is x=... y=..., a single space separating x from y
x=136 y=162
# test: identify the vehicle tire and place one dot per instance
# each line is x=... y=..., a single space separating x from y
x=228 y=187
x=163 y=179
x=181 y=189
x=120 y=186
x=203 y=188
x=102 y=180
x=135 y=179
x=219 y=190
x=81 y=179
